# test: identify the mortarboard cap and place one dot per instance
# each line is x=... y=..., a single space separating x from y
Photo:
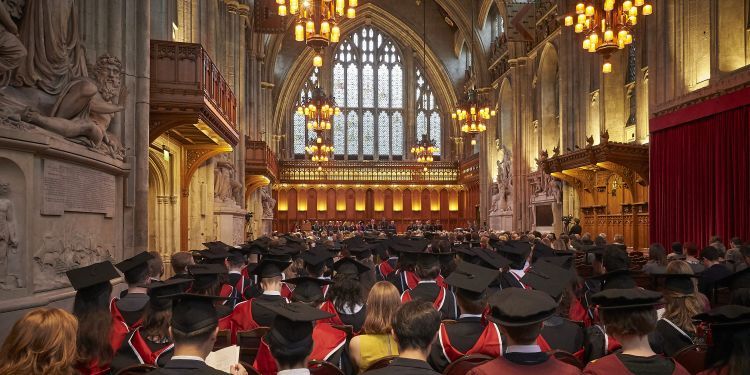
x=316 y=256
x=730 y=316
x=548 y=278
x=159 y=289
x=350 y=266
x=214 y=255
x=134 y=263
x=678 y=282
x=270 y=267
x=491 y=259
x=519 y=249
x=612 y=299
x=293 y=325
x=362 y=251
x=217 y=245
x=193 y=313
x=617 y=279
x=543 y=251
x=236 y=256
x=205 y=275
x=515 y=307
x=307 y=288
x=471 y=280
x=565 y=261
x=92 y=275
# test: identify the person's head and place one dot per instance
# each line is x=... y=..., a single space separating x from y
x=715 y=240
x=691 y=249
x=709 y=256
x=291 y=336
x=736 y=242
x=681 y=301
x=577 y=220
x=136 y=269
x=521 y=313
x=627 y=312
x=155 y=266
x=657 y=254
x=586 y=238
x=428 y=267
x=180 y=261
x=235 y=261
x=600 y=240
x=382 y=303
x=415 y=325
x=745 y=251
x=42 y=342
x=194 y=324
x=618 y=238
x=677 y=248
x=615 y=258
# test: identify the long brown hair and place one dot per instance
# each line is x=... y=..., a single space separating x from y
x=680 y=307
x=42 y=342
x=94 y=325
x=382 y=304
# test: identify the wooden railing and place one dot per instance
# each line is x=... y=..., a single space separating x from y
x=304 y=171
x=259 y=159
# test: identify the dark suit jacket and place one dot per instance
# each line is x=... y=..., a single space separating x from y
x=710 y=276
x=404 y=366
x=183 y=366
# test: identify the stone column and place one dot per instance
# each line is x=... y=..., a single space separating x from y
x=142 y=108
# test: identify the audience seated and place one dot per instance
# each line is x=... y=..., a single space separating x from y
x=346 y=297
x=730 y=335
x=376 y=341
x=127 y=310
x=657 y=259
x=714 y=271
x=675 y=329
x=42 y=342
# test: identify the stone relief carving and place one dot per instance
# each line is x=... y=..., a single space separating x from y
x=45 y=80
x=267 y=201
x=61 y=252
x=503 y=186
x=10 y=257
x=544 y=187
x=226 y=186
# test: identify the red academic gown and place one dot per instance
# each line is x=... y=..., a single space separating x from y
x=503 y=366
x=437 y=303
x=489 y=343
x=410 y=279
x=385 y=268
x=119 y=329
x=326 y=341
x=328 y=307
x=286 y=291
x=93 y=369
x=610 y=364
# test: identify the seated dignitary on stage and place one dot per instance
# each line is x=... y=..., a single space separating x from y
x=91 y=308
x=470 y=334
x=427 y=289
x=558 y=333
x=346 y=296
x=730 y=333
x=521 y=313
x=630 y=315
x=194 y=325
x=289 y=344
x=151 y=343
x=675 y=329
x=249 y=315
x=127 y=311
x=415 y=328
x=376 y=342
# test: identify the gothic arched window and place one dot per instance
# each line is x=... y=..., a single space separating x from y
x=301 y=135
x=368 y=86
x=428 y=113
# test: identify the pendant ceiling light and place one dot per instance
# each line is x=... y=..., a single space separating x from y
x=424 y=149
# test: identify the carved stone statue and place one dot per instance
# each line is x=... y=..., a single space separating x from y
x=267 y=201
x=590 y=141
x=504 y=184
x=10 y=258
x=12 y=50
x=226 y=187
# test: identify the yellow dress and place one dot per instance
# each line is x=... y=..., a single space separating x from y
x=375 y=347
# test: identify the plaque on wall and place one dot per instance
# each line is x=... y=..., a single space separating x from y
x=544 y=216
x=73 y=188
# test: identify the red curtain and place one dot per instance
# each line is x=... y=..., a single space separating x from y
x=700 y=179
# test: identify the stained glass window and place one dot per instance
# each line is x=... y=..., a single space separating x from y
x=339 y=134
x=397 y=134
x=367 y=85
x=298 y=121
x=428 y=113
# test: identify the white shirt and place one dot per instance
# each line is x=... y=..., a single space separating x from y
x=518 y=273
x=427 y=282
x=295 y=371
x=521 y=349
x=470 y=316
x=236 y=272
x=271 y=293
x=188 y=358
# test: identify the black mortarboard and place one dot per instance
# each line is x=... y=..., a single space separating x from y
x=270 y=267
x=678 y=282
x=726 y=316
x=543 y=251
x=236 y=256
x=293 y=325
x=134 y=265
x=354 y=241
x=471 y=280
x=491 y=259
x=307 y=289
x=427 y=260
x=615 y=258
x=193 y=312
x=565 y=261
x=362 y=251
x=514 y=307
x=738 y=280
x=159 y=289
x=350 y=266
x=205 y=274
x=214 y=255
x=617 y=279
x=612 y=299
x=217 y=245
x=92 y=275
x=316 y=256
x=548 y=278
x=518 y=249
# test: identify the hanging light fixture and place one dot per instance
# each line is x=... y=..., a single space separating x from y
x=473 y=111
x=318 y=110
x=607 y=26
x=424 y=150
x=319 y=151
x=317 y=21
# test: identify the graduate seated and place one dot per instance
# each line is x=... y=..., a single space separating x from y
x=346 y=297
x=193 y=326
x=675 y=329
x=207 y=282
x=415 y=327
x=41 y=342
x=471 y=333
x=151 y=343
x=249 y=315
x=180 y=262
x=241 y=285
x=127 y=311
x=629 y=315
x=730 y=333
x=376 y=341
x=427 y=289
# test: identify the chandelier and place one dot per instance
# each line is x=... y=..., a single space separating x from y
x=319 y=152
x=607 y=25
x=424 y=150
x=472 y=112
x=318 y=110
x=317 y=21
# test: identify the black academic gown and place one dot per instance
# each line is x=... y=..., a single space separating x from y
x=462 y=334
x=356 y=320
x=562 y=334
x=429 y=291
x=668 y=339
x=237 y=281
x=710 y=276
x=137 y=350
x=184 y=366
x=132 y=307
x=509 y=280
x=404 y=366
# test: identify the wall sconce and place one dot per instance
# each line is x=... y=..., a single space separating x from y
x=615 y=186
x=165 y=152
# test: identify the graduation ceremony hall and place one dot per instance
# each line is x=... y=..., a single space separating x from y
x=379 y=187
